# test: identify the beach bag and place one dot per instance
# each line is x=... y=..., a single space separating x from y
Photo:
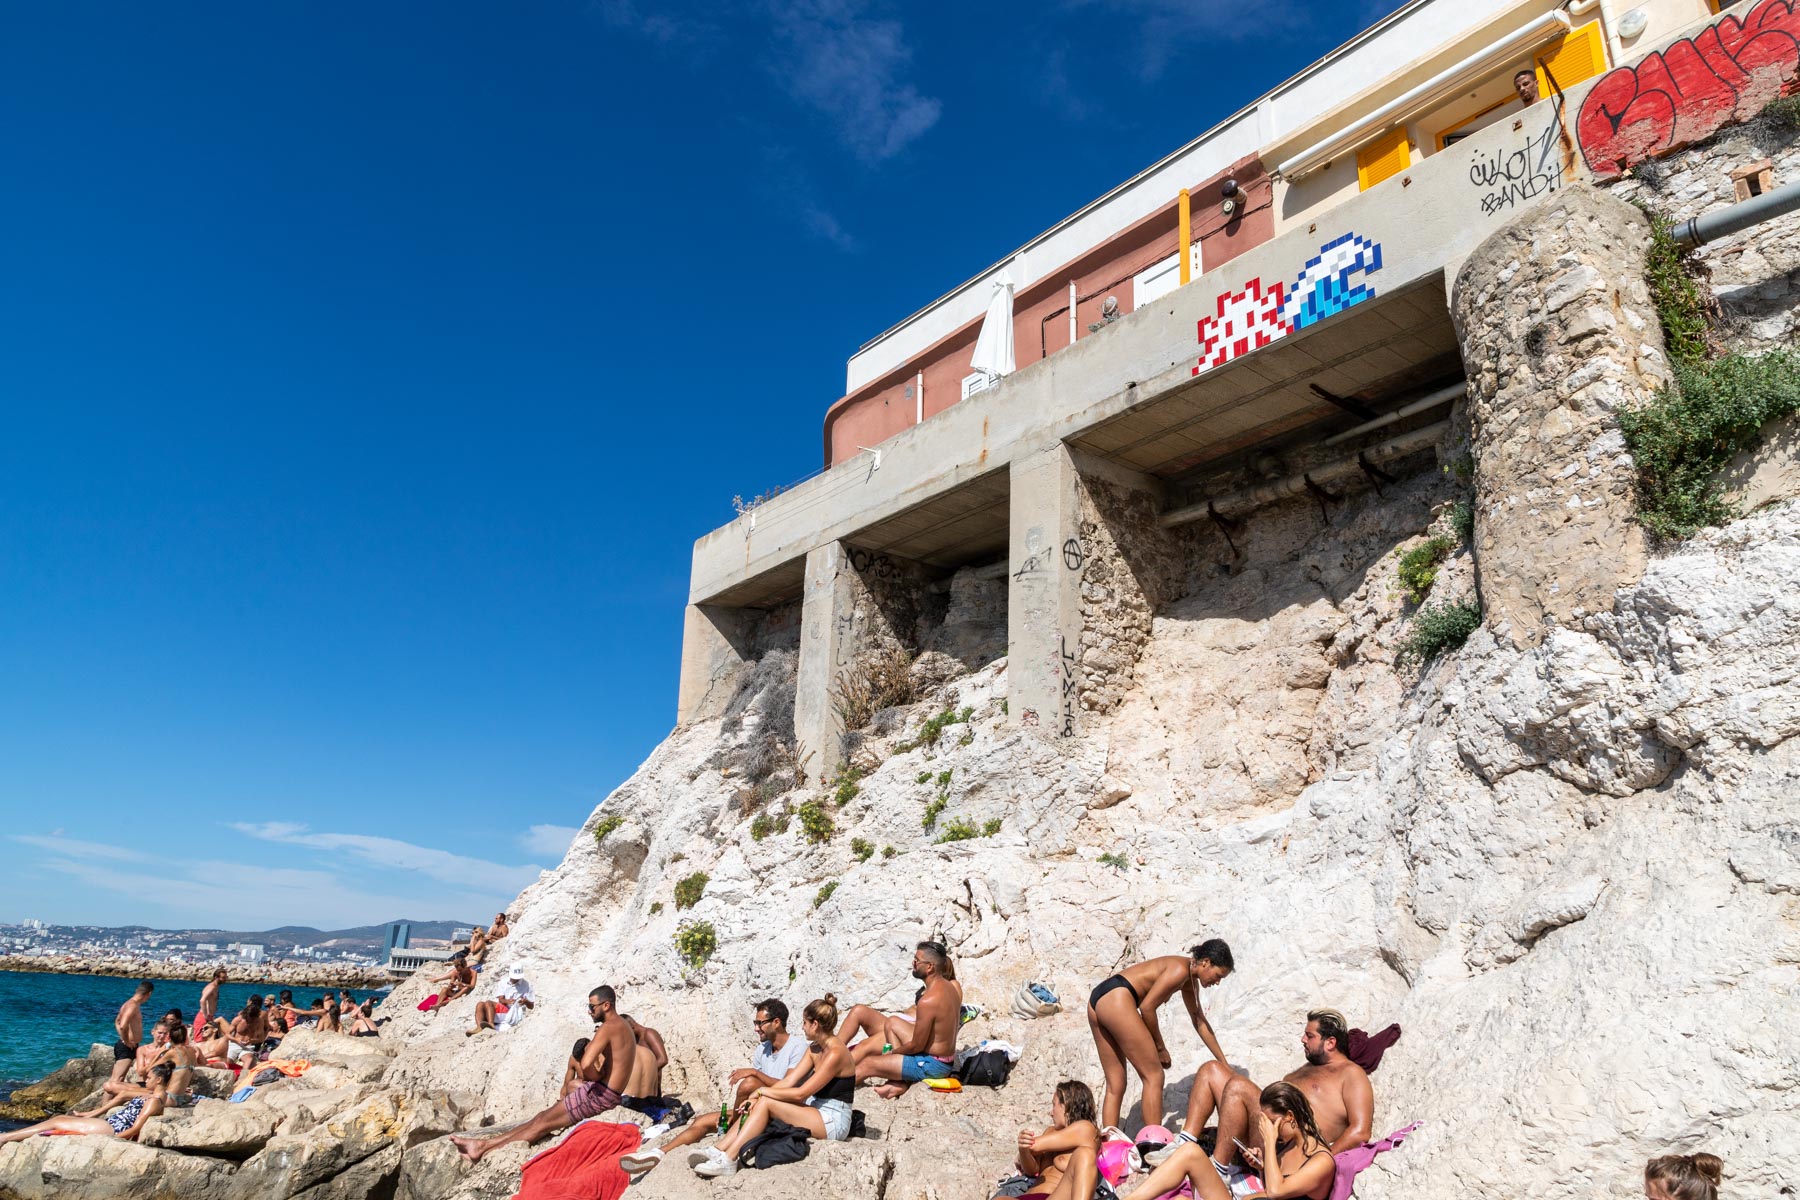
x=990 y=1068
x=781 y=1143
x=1028 y=1002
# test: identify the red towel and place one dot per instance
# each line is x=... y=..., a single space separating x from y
x=428 y=1003
x=583 y=1166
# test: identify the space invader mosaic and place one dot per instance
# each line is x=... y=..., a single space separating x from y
x=1325 y=286
x=1257 y=315
x=1245 y=320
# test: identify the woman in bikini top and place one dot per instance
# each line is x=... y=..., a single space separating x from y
x=1294 y=1159
x=1122 y=1019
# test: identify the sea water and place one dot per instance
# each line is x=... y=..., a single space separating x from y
x=45 y=1019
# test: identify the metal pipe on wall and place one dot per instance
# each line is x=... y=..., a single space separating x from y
x=1262 y=494
x=1074 y=299
x=1711 y=226
x=1442 y=396
x=919 y=398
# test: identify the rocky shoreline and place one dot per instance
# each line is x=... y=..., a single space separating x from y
x=295 y=974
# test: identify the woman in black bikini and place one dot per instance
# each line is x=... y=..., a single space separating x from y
x=1122 y=1016
x=1299 y=1163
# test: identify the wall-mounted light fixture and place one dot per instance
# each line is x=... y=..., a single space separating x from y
x=1633 y=23
x=1229 y=190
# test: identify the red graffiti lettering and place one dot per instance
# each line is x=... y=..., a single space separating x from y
x=1691 y=90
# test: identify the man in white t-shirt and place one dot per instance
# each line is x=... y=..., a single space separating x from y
x=509 y=1008
x=777 y=1053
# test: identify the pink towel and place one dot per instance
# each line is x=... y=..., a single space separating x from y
x=428 y=1003
x=1353 y=1161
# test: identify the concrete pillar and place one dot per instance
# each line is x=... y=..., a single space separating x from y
x=1558 y=334
x=716 y=645
x=1043 y=603
x=828 y=643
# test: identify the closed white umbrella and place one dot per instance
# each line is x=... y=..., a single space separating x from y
x=994 y=348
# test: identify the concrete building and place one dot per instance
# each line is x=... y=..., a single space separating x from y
x=1279 y=325
x=402 y=962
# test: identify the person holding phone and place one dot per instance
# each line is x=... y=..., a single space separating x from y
x=1295 y=1162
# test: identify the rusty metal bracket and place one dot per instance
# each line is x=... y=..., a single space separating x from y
x=1321 y=495
x=1353 y=407
x=1376 y=475
x=1226 y=527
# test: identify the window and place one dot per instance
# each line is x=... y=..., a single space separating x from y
x=1579 y=55
x=1387 y=155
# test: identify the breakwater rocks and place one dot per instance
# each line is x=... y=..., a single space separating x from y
x=295 y=974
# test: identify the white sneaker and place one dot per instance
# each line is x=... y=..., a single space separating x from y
x=717 y=1166
x=640 y=1161
x=700 y=1154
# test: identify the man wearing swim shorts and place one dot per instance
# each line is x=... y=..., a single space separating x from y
x=129 y=1025
x=605 y=1069
x=925 y=1047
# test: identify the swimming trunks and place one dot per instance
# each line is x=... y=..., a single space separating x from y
x=123 y=1053
x=915 y=1068
x=126 y=1117
x=1112 y=984
x=590 y=1100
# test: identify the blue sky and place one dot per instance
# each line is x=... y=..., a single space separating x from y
x=369 y=371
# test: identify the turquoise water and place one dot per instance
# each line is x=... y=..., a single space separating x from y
x=45 y=1020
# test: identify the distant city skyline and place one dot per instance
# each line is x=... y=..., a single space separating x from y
x=369 y=380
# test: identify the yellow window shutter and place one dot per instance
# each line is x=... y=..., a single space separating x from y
x=1579 y=55
x=1387 y=155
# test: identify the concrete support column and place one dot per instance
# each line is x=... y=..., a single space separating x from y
x=715 y=648
x=1043 y=604
x=829 y=634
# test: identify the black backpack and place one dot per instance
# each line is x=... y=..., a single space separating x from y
x=990 y=1068
x=780 y=1143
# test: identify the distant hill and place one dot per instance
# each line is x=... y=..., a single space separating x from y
x=371 y=936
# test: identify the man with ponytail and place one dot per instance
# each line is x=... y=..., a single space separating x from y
x=1683 y=1177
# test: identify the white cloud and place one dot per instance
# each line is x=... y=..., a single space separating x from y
x=851 y=68
x=75 y=848
x=393 y=854
x=548 y=841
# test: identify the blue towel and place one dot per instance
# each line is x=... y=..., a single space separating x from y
x=242 y=1094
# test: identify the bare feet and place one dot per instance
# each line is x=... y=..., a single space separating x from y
x=470 y=1148
x=891 y=1091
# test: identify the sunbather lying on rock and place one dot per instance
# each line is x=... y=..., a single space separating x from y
x=605 y=1067
x=129 y=1117
x=1337 y=1091
x=815 y=1095
x=1063 y=1160
x=1122 y=1017
x=919 y=1043
x=1283 y=1146
x=777 y=1053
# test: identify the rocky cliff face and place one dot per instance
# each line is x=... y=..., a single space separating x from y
x=1564 y=857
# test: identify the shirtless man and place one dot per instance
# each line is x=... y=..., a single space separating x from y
x=1064 y=1159
x=150 y=1052
x=1343 y=1102
x=209 y=1003
x=922 y=1047
x=248 y=1033
x=129 y=1025
x=605 y=1070
x=460 y=977
x=176 y=1052
x=1122 y=1017
x=644 y=1087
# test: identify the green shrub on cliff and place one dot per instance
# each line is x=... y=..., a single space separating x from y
x=1692 y=430
x=1419 y=566
x=696 y=941
x=1439 y=628
x=606 y=825
x=689 y=890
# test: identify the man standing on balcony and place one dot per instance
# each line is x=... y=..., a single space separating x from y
x=1525 y=84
